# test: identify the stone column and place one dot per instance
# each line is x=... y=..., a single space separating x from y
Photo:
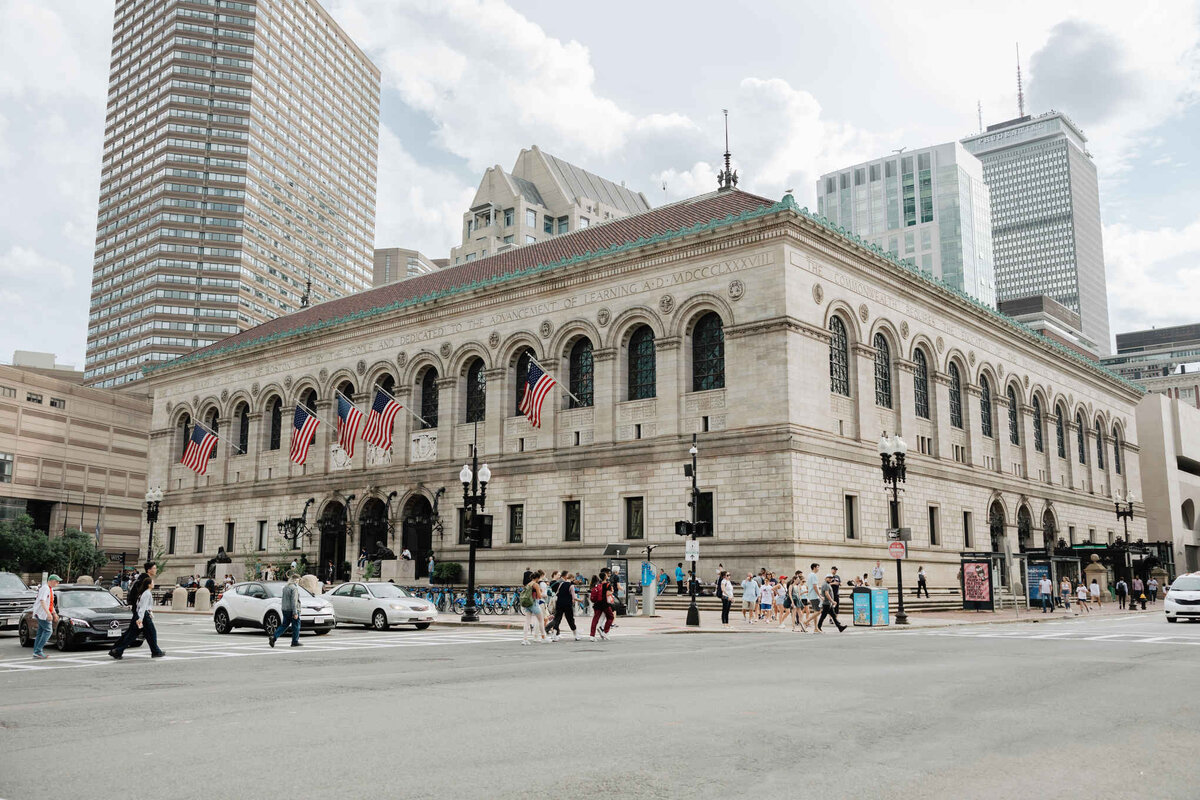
x=670 y=380
x=405 y=424
x=492 y=435
x=862 y=363
x=447 y=417
x=1033 y=459
x=604 y=393
x=1072 y=454
x=254 y=445
x=1000 y=428
x=974 y=425
x=904 y=400
x=939 y=387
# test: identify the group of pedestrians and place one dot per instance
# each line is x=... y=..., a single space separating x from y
x=1086 y=594
x=558 y=594
x=803 y=600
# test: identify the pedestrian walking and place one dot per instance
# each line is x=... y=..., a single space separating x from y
x=836 y=582
x=45 y=614
x=679 y=578
x=531 y=600
x=922 y=586
x=829 y=605
x=141 y=598
x=1152 y=589
x=564 y=606
x=289 y=606
x=1064 y=593
x=749 y=598
x=813 y=583
x=1046 y=592
x=601 y=596
x=1083 y=595
x=1122 y=593
x=765 y=599
x=725 y=593
x=877 y=573
x=1094 y=591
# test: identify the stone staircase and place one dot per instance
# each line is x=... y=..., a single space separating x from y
x=938 y=600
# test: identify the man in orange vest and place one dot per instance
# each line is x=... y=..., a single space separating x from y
x=44 y=613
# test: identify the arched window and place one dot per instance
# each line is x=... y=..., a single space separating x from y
x=476 y=392
x=921 y=384
x=214 y=424
x=708 y=353
x=1059 y=433
x=1099 y=446
x=955 y=396
x=275 y=410
x=521 y=377
x=242 y=414
x=985 y=405
x=883 y=372
x=1014 y=432
x=1117 y=450
x=1079 y=429
x=310 y=402
x=839 y=358
x=429 y=398
x=185 y=428
x=582 y=374
x=643 y=375
x=387 y=383
x=1038 y=444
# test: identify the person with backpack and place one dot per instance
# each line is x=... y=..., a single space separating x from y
x=1122 y=593
x=564 y=606
x=725 y=594
x=141 y=599
x=532 y=597
x=601 y=596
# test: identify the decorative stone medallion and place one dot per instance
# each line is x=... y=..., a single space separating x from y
x=736 y=290
x=545 y=329
x=361 y=367
x=1000 y=370
x=1025 y=381
x=666 y=304
x=971 y=358
x=401 y=359
x=903 y=330
x=170 y=406
x=445 y=350
x=196 y=401
x=863 y=313
x=254 y=390
x=494 y=339
x=224 y=395
x=287 y=382
x=818 y=294
x=603 y=317
x=323 y=375
x=940 y=344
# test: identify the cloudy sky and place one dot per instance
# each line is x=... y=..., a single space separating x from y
x=634 y=92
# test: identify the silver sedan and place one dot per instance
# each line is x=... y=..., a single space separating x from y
x=380 y=605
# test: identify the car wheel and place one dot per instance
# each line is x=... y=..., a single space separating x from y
x=422 y=626
x=62 y=639
x=221 y=621
x=25 y=636
x=270 y=623
x=321 y=633
x=379 y=620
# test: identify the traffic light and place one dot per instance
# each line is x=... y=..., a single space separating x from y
x=683 y=528
x=703 y=528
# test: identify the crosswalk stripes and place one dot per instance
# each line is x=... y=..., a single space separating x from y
x=1128 y=637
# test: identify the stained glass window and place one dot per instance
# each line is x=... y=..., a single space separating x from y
x=1038 y=444
x=708 y=353
x=955 y=397
x=839 y=358
x=1014 y=431
x=476 y=392
x=883 y=372
x=582 y=371
x=921 y=384
x=429 y=398
x=985 y=405
x=642 y=367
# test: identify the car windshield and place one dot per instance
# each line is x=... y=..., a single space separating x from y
x=87 y=599
x=11 y=583
x=276 y=590
x=387 y=590
x=1187 y=583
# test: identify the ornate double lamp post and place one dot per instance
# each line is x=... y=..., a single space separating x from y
x=474 y=479
x=153 y=498
x=891 y=455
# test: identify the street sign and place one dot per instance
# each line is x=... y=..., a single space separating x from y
x=692 y=548
x=898 y=550
x=899 y=534
x=116 y=558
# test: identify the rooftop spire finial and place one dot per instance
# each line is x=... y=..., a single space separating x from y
x=1020 y=91
x=728 y=178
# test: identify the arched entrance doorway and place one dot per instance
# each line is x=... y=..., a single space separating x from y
x=332 y=525
x=1049 y=530
x=372 y=526
x=418 y=532
x=1024 y=529
x=996 y=525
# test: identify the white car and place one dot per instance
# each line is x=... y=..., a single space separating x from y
x=1183 y=598
x=256 y=604
x=380 y=605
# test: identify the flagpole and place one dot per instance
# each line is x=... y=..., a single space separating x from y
x=532 y=360
x=406 y=408
x=213 y=433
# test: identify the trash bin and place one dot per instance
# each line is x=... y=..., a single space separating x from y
x=870 y=606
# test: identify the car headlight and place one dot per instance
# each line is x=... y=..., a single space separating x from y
x=398 y=607
x=79 y=623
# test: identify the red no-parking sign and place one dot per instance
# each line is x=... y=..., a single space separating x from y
x=898 y=550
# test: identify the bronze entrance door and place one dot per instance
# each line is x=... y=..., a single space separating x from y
x=332 y=526
x=418 y=533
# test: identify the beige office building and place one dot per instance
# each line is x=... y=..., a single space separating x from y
x=239 y=164
x=394 y=264
x=543 y=197
x=73 y=457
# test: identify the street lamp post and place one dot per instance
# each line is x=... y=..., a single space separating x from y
x=693 y=613
x=153 y=498
x=474 y=480
x=891 y=455
x=1124 y=504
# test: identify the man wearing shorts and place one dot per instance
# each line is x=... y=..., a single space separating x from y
x=765 y=600
x=749 y=598
x=813 y=597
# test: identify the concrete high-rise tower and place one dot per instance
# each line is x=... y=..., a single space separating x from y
x=240 y=155
x=1046 y=216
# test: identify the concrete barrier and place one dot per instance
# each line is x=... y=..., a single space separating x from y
x=85 y=580
x=203 y=600
x=179 y=599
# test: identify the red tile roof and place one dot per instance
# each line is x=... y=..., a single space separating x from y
x=665 y=219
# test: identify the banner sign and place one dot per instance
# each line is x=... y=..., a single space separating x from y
x=977 y=585
x=1035 y=573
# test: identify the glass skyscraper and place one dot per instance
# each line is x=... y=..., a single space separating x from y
x=1046 y=216
x=928 y=206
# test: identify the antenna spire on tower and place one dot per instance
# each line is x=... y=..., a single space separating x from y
x=729 y=178
x=1020 y=91
x=979 y=110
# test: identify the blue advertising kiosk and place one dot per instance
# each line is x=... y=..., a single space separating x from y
x=871 y=606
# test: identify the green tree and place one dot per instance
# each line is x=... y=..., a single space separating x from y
x=22 y=549
x=73 y=554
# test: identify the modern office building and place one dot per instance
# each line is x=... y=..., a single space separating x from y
x=1051 y=319
x=1162 y=360
x=541 y=198
x=397 y=264
x=928 y=206
x=1169 y=431
x=239 y=165
x=1046 y=216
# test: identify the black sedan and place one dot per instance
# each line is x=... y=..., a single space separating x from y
x=86 y=615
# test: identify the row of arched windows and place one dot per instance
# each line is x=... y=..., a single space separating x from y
x=839 y=383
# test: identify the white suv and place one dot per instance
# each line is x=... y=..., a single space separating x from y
x=1183 y=598
x=257 y=604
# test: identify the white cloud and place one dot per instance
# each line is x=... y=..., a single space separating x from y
x=417 y=206
x=1153 y=275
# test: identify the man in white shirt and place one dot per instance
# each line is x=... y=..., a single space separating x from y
x=749 y=598
x=877 y=574
x=44 y=613
x=1046 y=591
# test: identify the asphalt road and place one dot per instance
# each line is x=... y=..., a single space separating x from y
x=1073 y=708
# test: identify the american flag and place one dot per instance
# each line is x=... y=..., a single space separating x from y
x=379 y=422
x=349 y=418
x=199 y=447
x=537 y=385
x=304 y=426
